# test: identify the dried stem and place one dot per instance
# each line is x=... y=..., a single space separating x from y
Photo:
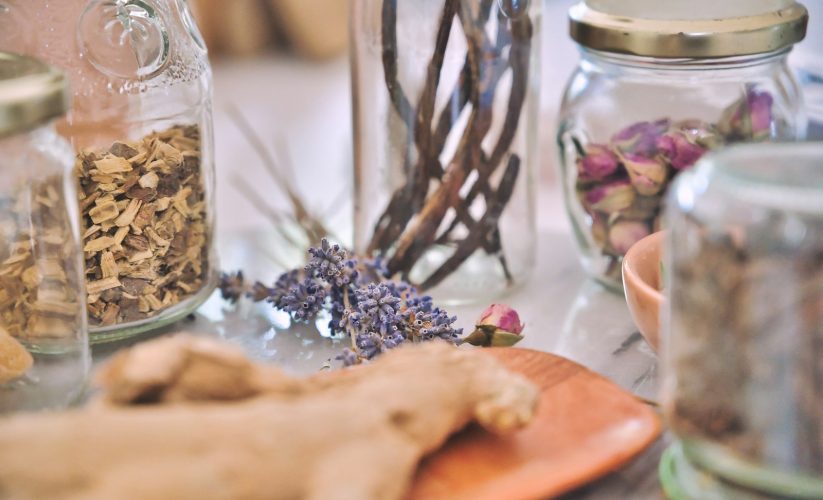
x=409 y=226
x=314 y=228
x=482 y=228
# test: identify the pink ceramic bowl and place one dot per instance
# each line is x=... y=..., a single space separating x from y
x=641 y=283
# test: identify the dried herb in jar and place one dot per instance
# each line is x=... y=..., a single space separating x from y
x=38 y=260
x=747 y=341
x=145 y=228
x=620 y=183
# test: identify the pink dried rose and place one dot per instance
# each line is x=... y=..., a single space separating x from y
x=647 y=175
x=748 y=118
x=624 y=234
x=498 y=326
x=679 y=150
x=611 y=197
x=598 y=163
x=640 y=138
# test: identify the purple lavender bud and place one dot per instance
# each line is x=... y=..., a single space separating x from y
x=304 y=300
x=598 y=163
x=647 y=174
x=348 y=357
x=679 y=150
x=640 y=138
x=610 y=197
x=624 y=234
x=232 y=286
x=748 y=118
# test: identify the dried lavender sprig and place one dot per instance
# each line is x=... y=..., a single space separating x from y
x=378 y=313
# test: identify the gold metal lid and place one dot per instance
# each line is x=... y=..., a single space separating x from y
x=688 y=38
x=31 y=93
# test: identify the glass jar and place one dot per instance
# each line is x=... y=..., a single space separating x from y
x=141 y=126
x=651 y=95
x=44 y=349
x=743 y=335
x=445 y=109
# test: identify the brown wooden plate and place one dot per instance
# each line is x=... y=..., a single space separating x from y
x=585 y=427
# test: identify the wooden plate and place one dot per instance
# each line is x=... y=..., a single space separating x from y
x=585 y=427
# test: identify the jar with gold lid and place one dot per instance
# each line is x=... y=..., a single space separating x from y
x=141 y=128
x=44 y=349
x=660 y=83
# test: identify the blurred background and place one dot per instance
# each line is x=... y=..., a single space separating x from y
x=283 y=65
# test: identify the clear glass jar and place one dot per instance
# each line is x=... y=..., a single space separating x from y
x=141 y=125
x=743 y=335
x=445 y=110
x=44 y=349
x=642 y=108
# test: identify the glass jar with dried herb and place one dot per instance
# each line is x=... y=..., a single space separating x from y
x=743 y=336
x=658 y=85
x=141 y=127
x=445 y=108
x=44 y=349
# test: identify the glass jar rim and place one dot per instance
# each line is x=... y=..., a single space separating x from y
x=702 y=38
x=781 y=175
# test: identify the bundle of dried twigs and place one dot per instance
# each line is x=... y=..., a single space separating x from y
x=415 y=219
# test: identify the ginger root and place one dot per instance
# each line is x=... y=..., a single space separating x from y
x=184 y=418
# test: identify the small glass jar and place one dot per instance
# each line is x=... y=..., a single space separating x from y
x=44 y=349
x=743 y=334
x=445 y=110
x=652 y=94
x=141 y=125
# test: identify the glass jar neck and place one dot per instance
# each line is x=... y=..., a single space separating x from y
x=606 y=60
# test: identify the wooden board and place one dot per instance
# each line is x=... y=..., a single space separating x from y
x=585 y=427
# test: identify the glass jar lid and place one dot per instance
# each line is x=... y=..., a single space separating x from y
x=693 y=29
x=31 y=93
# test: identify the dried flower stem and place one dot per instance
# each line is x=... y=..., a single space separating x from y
x=411 y=238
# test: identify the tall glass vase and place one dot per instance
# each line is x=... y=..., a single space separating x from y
x=445 y=96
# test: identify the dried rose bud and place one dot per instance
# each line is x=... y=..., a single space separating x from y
x=640 y=138
x=598 y=163
x=600 y=229
x=498 y=326
x=624 y=234
x=647 y=174
x=611 y=197
x=679 y=150
x=748 y=118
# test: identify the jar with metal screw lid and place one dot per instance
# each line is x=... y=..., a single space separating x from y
x=660 y=83
x=141 y=128
x=44 y=349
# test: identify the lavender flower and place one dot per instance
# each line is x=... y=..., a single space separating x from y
x=305 y=300
x=283 y=286
x=348 y=357
x=378 y=313
x=438 y=324
x=232 y=286
x=329 y=263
